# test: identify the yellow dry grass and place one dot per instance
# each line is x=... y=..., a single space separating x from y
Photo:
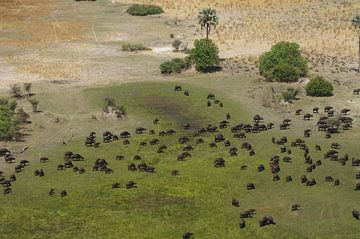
x=320 y=27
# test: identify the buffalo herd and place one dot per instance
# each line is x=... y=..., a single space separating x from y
x=328 y=122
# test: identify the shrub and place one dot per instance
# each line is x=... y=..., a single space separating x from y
x=176 y=44
x=290 y=94
x=27 y=88
x=319 y=87
x=134 y=47
x=175 y=65
x=283 y=62
x=143 y=10
x=12 y=105
x=34 y=104
x=205 y=55
x=16 y=90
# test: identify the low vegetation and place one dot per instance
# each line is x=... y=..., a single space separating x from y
x=290 y=94
x=144 y=10
x=134 y=47
x=283 y=63
x=176 y=65
x=319 y=87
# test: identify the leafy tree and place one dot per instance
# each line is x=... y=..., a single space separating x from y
x=356 y=24
x=205 y=55
x=8 y=126
x=34 y=104
x=319 y=87
x=208 y=19
x=283 y=62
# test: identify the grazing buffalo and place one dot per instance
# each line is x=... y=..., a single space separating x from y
x=266 y=221
x=115 y=185
x=276 y=178
x=242 y=223
x=51 y=192
x=12 y=178
x=60 y=167
x=156 y=121
x=356 y=214
x=132 y=167
x=125 y=134
x=247 y=213
x=39 y=172
x=63 y=193
x=188 y=235
x=235 y=203
x=250 y=186
x=219 y=162
x=119 y=157
x=7 y=190
x=174 y=172
x=295 y=207
x=140 y=130
x=288 y=178
x=130 y=184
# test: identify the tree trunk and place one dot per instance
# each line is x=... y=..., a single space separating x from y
x=207 y=32
x=359 y=56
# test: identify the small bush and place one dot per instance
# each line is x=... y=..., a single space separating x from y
x=175 y=66
x=12 y=105
x=143 y=10
x=319 y=87
x=34 y=104
x=134 y=47
x=205 y=55
x=16 y=90
x=27 y=88
x=283 y=62
x=290 y=94
x=176 y=44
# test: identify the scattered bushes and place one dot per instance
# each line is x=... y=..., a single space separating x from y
x=134 y=47
x=283 y=63
x=175 y=65
x=205 y=55
x=319 y=87
x=290 y=94
x=143 y=10
x=176 y=44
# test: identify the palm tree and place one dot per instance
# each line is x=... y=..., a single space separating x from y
x=356 y=23
x=207 y=19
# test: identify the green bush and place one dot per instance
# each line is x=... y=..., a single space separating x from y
x=134 y=47
x=283 y=62
x=290 y=94
x=8 y=124
x=319 y=87
x=175 y=65
x=143 y=10
x=205 y=55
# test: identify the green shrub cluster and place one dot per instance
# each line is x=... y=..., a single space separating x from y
x=134 y=47
x=143 y=10
x=205 y=55
x=283 y=62
x=319 y=87
x=290 y=94
x=175 y=65
x=8 y=122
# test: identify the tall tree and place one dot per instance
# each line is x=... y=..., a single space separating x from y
x=208 y=19
x=356 y=23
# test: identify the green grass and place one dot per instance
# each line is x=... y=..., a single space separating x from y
x=134 y=47
x=199 y=199
x=144 y=10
